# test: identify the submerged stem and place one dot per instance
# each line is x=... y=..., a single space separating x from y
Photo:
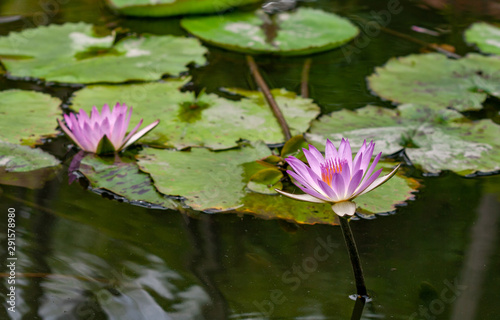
x=353 y=254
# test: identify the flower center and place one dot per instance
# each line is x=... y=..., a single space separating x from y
x=329 y=168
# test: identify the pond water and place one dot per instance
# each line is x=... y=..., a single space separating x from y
x=81 y=255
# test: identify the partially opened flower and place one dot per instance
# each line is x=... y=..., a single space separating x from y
x=336 y=178
x=103 y=132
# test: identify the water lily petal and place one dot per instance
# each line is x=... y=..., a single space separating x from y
x=372 y=167
x=367 y=156
x=313 y=162
x=344 y=208
x=105 y=113
x=381 y=180
x=316 y=153
x=356 y=163
x=299 y=179
x=69 y=133
x=346 y=175
x=300 y=168
x=116 y=131
x=131 y=133
x=367 y=183
x=328 y=190
x=302 y=197
x=346 y=153
x=330 y=151
x=354 y=184
x=338 y=185
x=140 y=134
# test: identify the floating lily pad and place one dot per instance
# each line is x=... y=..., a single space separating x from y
x=301 y=32
x=209 y=181
x=166 y=8
x=17 y=158
x=26 y=117
x=122 y=177
x=435 y=81
x=207 y=120
x=397 y=191
x=73 y=53
x=265 y=181
x=433 y=140
x=485 y=36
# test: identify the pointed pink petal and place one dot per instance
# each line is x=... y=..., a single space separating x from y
x=380 y=181
x=299 y=179
x=347 y=154
x=367 y=156
x=346 y=174
x=131 y=133
x=354 y=184
x=316 y=154
x=372 y=167
x=313 y=162
x=365 y=184
x=338 y=186
x=356 y=163
x=140 y=134
x=327 y=190
x=105 y=113
x=69 y=133
x=330 y=151
x=116 y=139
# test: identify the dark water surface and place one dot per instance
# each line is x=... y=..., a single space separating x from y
x=83 y=256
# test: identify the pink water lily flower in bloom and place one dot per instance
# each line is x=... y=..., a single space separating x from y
x=103 y=132
x=336 y=178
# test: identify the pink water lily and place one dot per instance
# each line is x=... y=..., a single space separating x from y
x=336 y=178
x=103 y=132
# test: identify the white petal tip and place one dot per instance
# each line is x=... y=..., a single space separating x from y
x=344 y=208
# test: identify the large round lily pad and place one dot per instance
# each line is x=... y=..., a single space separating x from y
x=122 y=177
x=433 y=140
x=207 y=120
x=209 y=181
x=165 y=8
x=26 y=117
x=73 y=53
x=485 y=36
x=17 y=158
x=435 y=81
x=300 y=32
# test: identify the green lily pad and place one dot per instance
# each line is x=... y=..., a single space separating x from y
x=122 y=177
x=485 y=36
x=395 y=192
x=433 y=140
x=301 y=32
x=27 y=116
x=73 y=53
x=209 y=181
x=207 y=120
x=265 y=181
x=166 y=8
x=435 y=81
x=17 y=158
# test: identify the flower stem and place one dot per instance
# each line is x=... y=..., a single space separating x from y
x=254 y=69
x=353 y=254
